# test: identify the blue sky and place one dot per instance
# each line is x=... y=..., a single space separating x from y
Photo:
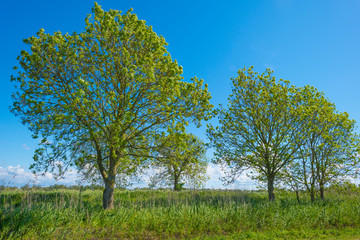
x=306 y=42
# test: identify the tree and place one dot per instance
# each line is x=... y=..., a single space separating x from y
x=337 y=154
x=99 y=97
x=300 y=174
x=181 y=160
x=291 y=177
x=260 y=129
x=330 y=148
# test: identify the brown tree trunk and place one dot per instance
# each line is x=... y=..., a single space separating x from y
x=312 y=196
x=108 y=195
x=297 y=196
x=176 y=183
x=271 y=188
x=322 y=196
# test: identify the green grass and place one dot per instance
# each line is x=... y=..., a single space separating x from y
x=162 y=214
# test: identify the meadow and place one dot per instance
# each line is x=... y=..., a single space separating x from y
x=44 y=213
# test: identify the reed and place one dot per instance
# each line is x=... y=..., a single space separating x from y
x=164 y=214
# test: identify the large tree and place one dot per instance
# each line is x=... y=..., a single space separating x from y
x=180 y=160
x=261 y=127
x=98 y=98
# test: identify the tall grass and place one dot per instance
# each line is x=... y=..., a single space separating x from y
x=162 y=214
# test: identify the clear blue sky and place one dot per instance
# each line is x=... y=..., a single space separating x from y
x=306 y=42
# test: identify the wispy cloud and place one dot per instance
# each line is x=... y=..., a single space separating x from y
x=215 y=172
x=18 y=176
x=26 y=147
x=272 y=67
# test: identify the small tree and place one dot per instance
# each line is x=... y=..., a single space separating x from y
x=337 y=153
x=292 y=178
x=99 y=97
x=330 y=148
x=300 y=174
x=261 y=127
x=181 y=160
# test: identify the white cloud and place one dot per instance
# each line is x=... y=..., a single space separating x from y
x=18 y=176
x=215 y=173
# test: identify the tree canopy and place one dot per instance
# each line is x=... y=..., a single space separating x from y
x=261 y=127
x=180 y=160
x=329 y=151
x=98 y=98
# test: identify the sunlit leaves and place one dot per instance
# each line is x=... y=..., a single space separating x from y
x=261 y=127
x=330 y=147
x=180 y=159
x=102 y=95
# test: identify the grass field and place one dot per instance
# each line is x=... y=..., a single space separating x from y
x=163 y=214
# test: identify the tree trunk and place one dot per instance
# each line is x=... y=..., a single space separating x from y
x=312 y=196
x=108 y=195
x=297 y=196
x=312 y=191
x=176 y=183
x=322 y=191
x=271 y=188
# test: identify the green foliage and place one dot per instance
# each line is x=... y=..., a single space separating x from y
x=261 y=127
x=98 y=98
x=212 y=214
x=180 y=160
x=329 y=152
